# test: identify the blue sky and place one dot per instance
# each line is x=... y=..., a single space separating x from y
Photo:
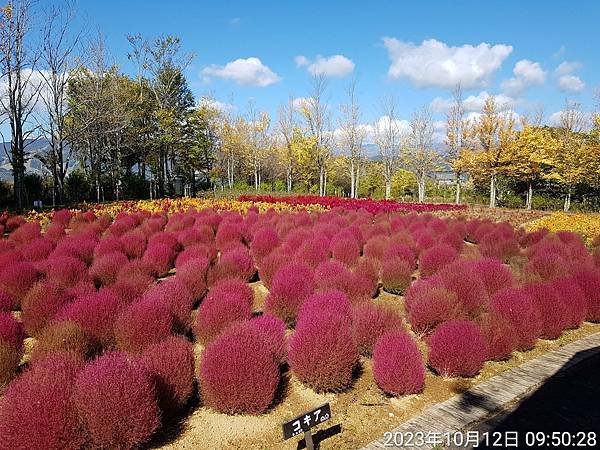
x=533 y=53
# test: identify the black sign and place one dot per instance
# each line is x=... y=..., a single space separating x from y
x=306 y=421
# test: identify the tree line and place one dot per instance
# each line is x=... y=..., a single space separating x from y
x=113 y=135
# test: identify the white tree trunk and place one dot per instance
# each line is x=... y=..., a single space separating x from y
x=493 y=191
x=352 y=179
x=529 y=202
x=567 y=204
x=458 y=188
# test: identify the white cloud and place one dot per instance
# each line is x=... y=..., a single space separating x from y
x=474 y=103
x=434 y=63
x=329 y=66
x=571 y=83
x=527 y=73
x=299 y=102
x=301 y=61
x=250 y=71
x=566 y=81
x=215 y=104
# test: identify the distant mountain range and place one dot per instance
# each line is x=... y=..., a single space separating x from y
x=33 y=165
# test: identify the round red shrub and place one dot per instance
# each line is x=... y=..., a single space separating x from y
x=369 y=322
x=554 y=312
x=141 y=324
x=589 y=282
x=435 y=258
x=545 y=267
x=313 y=252
x=107 y=245
x=457 y=348
x=171 y=365
x=396 y=275
x=95 y=313
x=571 y=294
x=63 y=337
x=131 y=289
x=238 y=375
x=268 y=266
x=37 y=249
x=14 y=222
x=397 y=364
x=40 y=305
x=345 y=250
x=10 y=358
x=27 y=232
x=38 y=409
x=499 y=336
x=376 y=247
x=17 y=278
x=174 y=293
x=322 y=352
x=235 y=262
x=272 y=329
x=159 y=257
x=12 y=331
x=133 y=244
x=469 y=288
x=520 y=310
x=498 y=245
x=330 y=302
x=115 y=398
x=193 y=273
x=264 y=241
x=79 y=246
x=228 y=302
x=429 y=308
x=195 y=251
x=228 y=233
x=493 y=273
x=66 y=271
x=292 y=285
x=105 y=268
x=402 y=251
x=6 y=302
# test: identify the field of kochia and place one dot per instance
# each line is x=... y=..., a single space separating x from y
x=117 y=322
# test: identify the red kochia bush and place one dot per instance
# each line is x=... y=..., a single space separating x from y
x=115 y=398
x=159 y=257
x=10 y=358
x=520 y=310
x=554 y=312
x=95 y=313
x=37 y=249
x=470 y=291
x=569 y=293
x=396 y=275
x=493 y=273
x=499 y=336
x=291 y=286
x=40 y=305
x=63 y=337
x=589 y=282
x=174 y=293
x=195 y=251
x=66 y=271
x=397 y=364
x=107 y=245
x=105 y=268
x=430 y=307
x=313 y=252
x=330 y=302
x=545 y=267
x=322 y=352
x=6 y=302
x=272 y=329
x=171 y=365
x=457 y=348
x=11 y=331
x=435 y=258
x=264 y=241
x=345 y=250
x=228 y=302
x=27 y=232
x=142 y=323
x=17 y=278
x=238 y=374
x=235 y=262
x=38 y=411
x=134 y=244
x=268 y=266
x=193 y=273
x=369 y=322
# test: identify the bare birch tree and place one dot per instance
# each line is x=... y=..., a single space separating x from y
x=387 y=136
x=419 y=156
x=60 y=62
x=286 y=125
x=352 y=135
x=19 y=75
x=457 y=138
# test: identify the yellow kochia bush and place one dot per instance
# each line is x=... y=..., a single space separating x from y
x=587 y=225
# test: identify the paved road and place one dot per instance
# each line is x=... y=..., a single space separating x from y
x=568 y=402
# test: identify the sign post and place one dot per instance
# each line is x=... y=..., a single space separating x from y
x=304 y=422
